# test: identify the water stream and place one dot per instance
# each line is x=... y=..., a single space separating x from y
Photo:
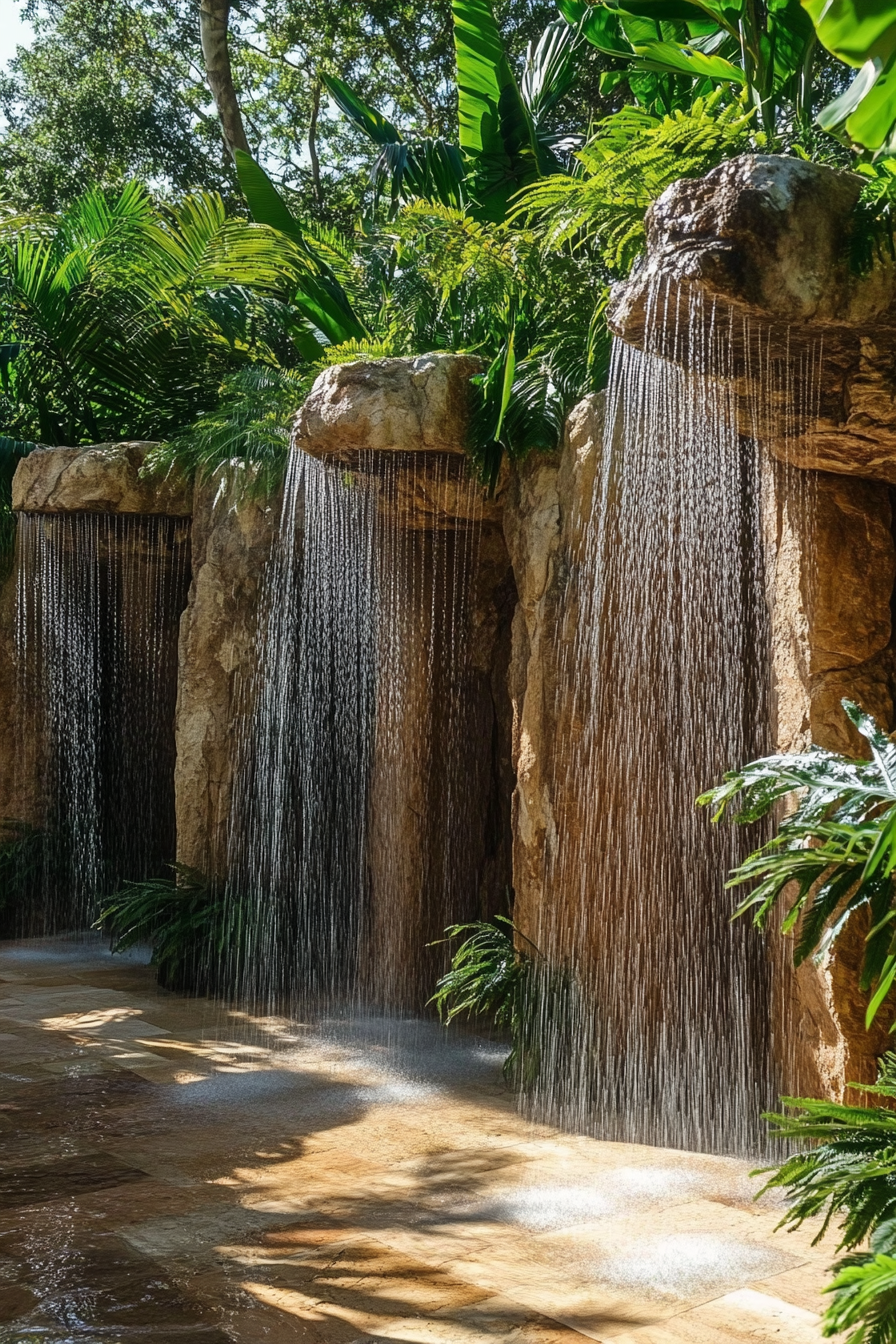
x=349 y=849
x=670 y=1033
x=99 y=601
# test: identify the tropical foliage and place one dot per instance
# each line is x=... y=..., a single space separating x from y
x=672 y=52
x=833 y=855
x=189 y=921
x=106 y=93
x=490 y=977
x=118 y=318
x=629 y=161
x=846 y=1172
x=863 y=36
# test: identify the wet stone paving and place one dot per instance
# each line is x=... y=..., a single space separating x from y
x=176 y=1172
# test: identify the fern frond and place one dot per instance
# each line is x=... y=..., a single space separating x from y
x=626 y=166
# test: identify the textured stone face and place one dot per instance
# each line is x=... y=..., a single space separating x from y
x=389 y=405
x=763 y=233
x=218 y=642
x=102 y=478
x=764 y=241
x=548 y=499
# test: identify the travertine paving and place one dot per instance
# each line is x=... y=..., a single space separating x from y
x=171 y=1171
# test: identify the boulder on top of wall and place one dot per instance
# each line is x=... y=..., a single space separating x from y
x=389 y=405
x=763 y=233
x=100 y=478
x=758 y=251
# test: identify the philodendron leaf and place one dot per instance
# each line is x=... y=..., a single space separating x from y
x=861 y=33
x=855 y=31
x=670 y=58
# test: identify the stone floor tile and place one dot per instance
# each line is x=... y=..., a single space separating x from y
x=756 y=1318
x=64 y=1178
x=803 y=1286
x=293 y=1188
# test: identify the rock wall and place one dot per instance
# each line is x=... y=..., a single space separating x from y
x=218 y=658
x=547 y=503
x=831 y=563
x=766 y=244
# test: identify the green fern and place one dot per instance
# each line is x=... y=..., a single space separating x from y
x=192 y=925
x=490 y=976
x=848 y=1173
x=624 y=168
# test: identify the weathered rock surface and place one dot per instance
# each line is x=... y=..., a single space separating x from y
x=20 y=793
x=439 y=815
x=547 y=504
x=764 y=242
x=389 y=405
x=831 y=565
x=101 y=478
x=218 y=643
x=767 y=235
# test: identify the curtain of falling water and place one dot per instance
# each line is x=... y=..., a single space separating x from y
x=348 y=850
x=666 y=1003
x=99 y=601
x=426 y=799
x=296 y=861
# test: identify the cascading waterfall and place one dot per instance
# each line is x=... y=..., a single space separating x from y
x=98 y=606
x=669 y=1021
x=347 y=855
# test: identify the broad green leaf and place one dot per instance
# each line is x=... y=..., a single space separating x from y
x=885 y=984
x=263 y=198
x=507 y=384
x=727 y=14
x=665 y=57
x=855 y=31
x=496 y=131
x=371 y=122
x=873 y=123
x=598 y=26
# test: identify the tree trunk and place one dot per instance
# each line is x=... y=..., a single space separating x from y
x=213 y=16
x=312 y=146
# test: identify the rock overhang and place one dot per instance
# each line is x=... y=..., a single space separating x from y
x=757 y=253
x=98 y=478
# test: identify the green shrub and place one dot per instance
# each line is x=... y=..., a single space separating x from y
x=191 y=923
x=21 y=876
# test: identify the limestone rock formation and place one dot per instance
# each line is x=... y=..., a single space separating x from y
x=218 y=646
x=101 y=478
x=389 y=405
x=547 y=504
x=20 y=794
x=763 y=233
x=764 y=241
